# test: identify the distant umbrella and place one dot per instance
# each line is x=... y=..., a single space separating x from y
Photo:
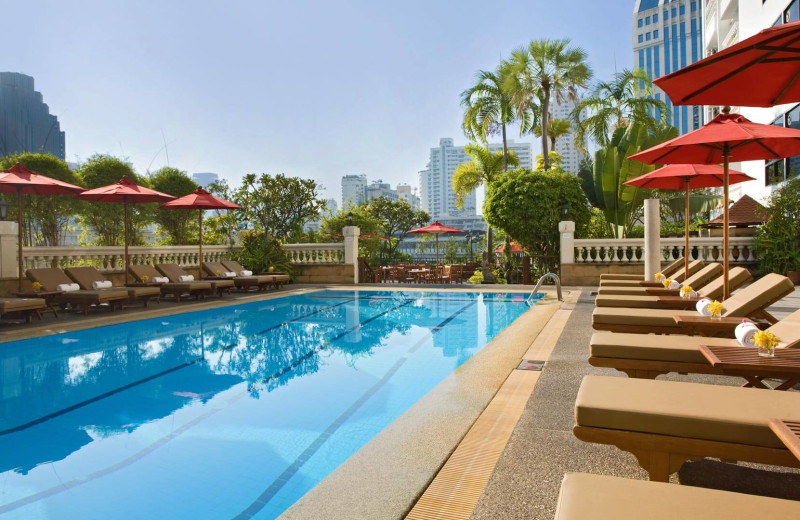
x=436 y=229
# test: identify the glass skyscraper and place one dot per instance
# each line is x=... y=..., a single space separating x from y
x=26 y=124
x=667 y=36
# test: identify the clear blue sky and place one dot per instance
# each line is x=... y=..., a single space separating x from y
x=313 y=89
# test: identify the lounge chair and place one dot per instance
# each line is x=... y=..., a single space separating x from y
x=174 y=272
x=648 y=355
x=26 y=307
x=750 y=302
x=666 y=423
x=277 y=279
x=177 y=290
x=737 y=277
x=670 y=269
x=86 y=276
x=52 y=277
x=601 y=497
x=698 y=280
x=678 y=277
x=215 y=270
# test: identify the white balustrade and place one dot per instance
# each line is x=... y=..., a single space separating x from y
x=617 y=251
x=325 y=253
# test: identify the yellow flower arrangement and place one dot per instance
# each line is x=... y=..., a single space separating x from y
x=666 y=283
x=145 y=278
x=659 y=276
x=36 y=286
x=686 y=290
x=271 y=268
x=766 y=342
x=218 y=272
x=715 y=308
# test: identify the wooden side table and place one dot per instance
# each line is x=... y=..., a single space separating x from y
x=788 y=432
x=677 y=303
x=724 y=327
x=745 y=362
x=47 y=296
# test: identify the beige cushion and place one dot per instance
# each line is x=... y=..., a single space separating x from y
x=646 y=317
x=612 y=276
x=139 y=292
x=693 y=268
x=682 y=349
x=621 y=283
x=633 y=302
x=758 y=295
x=687 y=410
x=599 y=497
x=737 y=277
x=20 y=304
x=220 y=284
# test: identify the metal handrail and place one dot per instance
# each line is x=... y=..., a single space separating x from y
x=545 y=276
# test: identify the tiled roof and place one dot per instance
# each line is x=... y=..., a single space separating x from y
x=744 y=212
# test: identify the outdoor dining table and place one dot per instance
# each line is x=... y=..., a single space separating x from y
x=788 y=432
x=418 y=273
x=745 y=362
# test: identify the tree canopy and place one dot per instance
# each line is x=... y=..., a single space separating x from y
x=177 y=226
x=396 y=218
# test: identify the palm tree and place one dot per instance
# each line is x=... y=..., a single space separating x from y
x=555 y=129
x=543 y=71
x=617 y=103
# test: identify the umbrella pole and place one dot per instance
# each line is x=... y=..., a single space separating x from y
x=125 y=206
x=200 y=241
x=437 y=248
x=726 y=152
x=19 y=237
x=686 y=244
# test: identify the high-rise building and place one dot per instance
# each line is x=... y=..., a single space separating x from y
x=407 y=193
x=565 y=144
x=436 y=181
x=26 y=124
x=205 y=178
x=667 y=36
x=354 y=190
x=378 y=188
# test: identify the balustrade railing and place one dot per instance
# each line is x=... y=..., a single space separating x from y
x=708 y=249
x=325 y=253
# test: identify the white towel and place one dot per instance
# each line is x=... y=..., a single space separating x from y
x=68 y=287
x=745 y=334
x=160 y=279
x=186 y=278
x=245 y=273
x=694 y=294
x=674 y=285
x=229 y=274
x=102 y=284
x=702 y=307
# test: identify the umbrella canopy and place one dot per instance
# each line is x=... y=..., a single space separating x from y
x=200 y=200
x=760 y=71
x=727 y=137
x=515 y=248
x=20 y=180
x=126 y=192
x=687 y=177
x=436 y=229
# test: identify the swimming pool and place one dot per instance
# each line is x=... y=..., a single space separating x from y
x=234 y=412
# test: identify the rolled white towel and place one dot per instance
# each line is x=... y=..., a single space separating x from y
x=694 y=294
x=186 y=278
x=702 y=307
x=68 y=287
x=745 y=334
x=160 y=279
x=102 y=284
x=245 y=273
x=229 y=274
x=674 y=285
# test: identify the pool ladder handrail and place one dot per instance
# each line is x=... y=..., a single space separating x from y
x=544 y=277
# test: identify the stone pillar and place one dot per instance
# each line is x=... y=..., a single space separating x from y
x=351 y=234
x=652 y=238
x=9 y=264
x=567 y=230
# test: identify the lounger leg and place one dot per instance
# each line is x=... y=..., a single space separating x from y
x=659 y=464
x=637 y=373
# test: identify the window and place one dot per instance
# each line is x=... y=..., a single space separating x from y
x=792 y=13
x=647 y=37
x=694 y=6
x=774 y=172
x=647 y=21
x=655 y=18
x=641 y=39
x=655 y=34
x=683 y=9
x=674 y=12
x=666 y=15
x=640 y=22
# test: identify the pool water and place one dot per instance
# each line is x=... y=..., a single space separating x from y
x=233 y=412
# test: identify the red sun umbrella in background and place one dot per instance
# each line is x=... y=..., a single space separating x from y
x=20 y=180
x=515 y=248
x=688 y=177
x=436 y=229
x=200 y=200
x=727 y=137
x=126 y=192
x=760 y=71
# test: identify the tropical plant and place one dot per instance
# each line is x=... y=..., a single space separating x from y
x=544 y=71
x=177 y=227
x=620 y=202
x=223 y=226
x=673 y=203
x=777 y=243
x=261 y=251
x=586 y=175
x=556 y=128
x=616 y=104
x=396 y=218
x=369 y=243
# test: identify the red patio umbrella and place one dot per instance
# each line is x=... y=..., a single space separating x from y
x=727 y=137
x=760 y=71
x=20 y=180
x=125 y=191
x=688 y=177
x=436 y=229
x=200 y=200
x=515 y=248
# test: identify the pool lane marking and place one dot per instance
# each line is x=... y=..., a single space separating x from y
x=321 y=309
x=268 y=494
x=488 y=300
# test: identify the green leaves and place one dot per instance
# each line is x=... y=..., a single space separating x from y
x=486 y=166
x=179 y=227
x=777 y=242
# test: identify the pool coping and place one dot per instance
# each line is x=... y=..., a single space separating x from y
x=392 y=470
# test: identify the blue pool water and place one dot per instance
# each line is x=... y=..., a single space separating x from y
x=226 y=413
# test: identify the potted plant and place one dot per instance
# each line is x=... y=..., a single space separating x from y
x=777 y=242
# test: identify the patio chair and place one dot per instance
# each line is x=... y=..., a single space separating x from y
x=678 y=276
x=26 y=307
x=649 y=355
x=670 y=269
x=52 y=277
x=595 y=497
x=215 y=270
x=737 y=277
x=750 y=302
x=665 y=423
x=177 y=290
x=277 y=279
x=175 y=273
x=86 y=276
x=698 y=280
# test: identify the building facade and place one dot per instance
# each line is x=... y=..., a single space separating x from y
x=378 y=188
x=26 y=124
x=667 y=36
x=409 y=194
x=354 y=190
x=566 y=146
x=204 y=179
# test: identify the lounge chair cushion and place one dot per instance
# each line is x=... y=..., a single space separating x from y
x=20 y=304
x=629 y=316
x=600 y=497
x=696 y=281
x=694 y=267
x=688 y=410
x=682 y=349
x=669 y=269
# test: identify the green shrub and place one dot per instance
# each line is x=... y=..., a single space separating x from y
x=260 y=252
x=476 y=278
x=777 y=243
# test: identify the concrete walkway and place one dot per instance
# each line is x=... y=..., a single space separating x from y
x=542 y=448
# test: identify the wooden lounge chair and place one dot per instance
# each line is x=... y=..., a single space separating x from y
x=177 y=290
x=25 y=307
x=665 y=423
x=698 y=280
x=276 y=279
x=737 y=277
x=174 y=273
x=670 y=269
x=678 y=277
x=600 y=497
x=649 y=355
x=750 y=302
x=85 y=276
x=242 y=282
x=51 y=277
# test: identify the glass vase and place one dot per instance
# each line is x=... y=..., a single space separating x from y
x=766 y=351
